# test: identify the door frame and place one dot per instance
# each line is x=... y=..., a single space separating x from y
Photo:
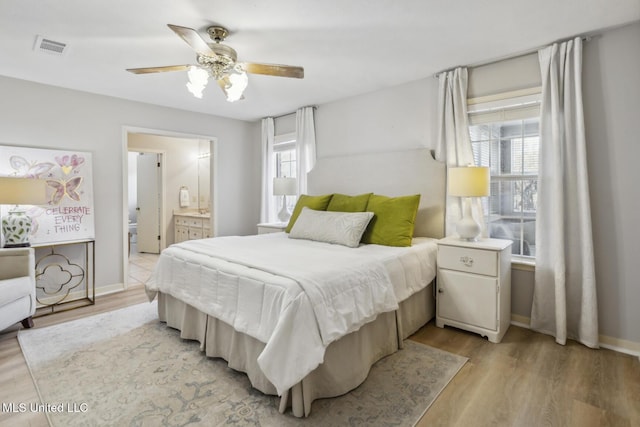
x=126 y=130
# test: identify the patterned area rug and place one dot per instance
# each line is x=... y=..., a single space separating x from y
x=126 y=368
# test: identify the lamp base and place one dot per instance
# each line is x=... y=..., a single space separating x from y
x=16 y=228
x=468 y=228
x=284 y=214
x=18 y=245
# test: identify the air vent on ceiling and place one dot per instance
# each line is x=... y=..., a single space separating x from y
x=49 y=46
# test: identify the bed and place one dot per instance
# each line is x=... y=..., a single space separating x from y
x=306 y=319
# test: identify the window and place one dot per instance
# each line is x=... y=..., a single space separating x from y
x=284 y=158
x=506 y=138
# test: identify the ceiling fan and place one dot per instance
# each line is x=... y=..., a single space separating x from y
x=219 y=62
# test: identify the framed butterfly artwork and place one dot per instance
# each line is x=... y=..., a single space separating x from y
x=68 y=214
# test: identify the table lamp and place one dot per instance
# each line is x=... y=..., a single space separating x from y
x=16 y=225
x=468 y=182
x=284 y=187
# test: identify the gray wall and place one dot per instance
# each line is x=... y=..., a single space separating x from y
x=611 y=88
x=404 y=117
x=43 y=116
x=397 y=118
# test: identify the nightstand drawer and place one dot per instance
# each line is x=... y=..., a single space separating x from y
x=477 y=261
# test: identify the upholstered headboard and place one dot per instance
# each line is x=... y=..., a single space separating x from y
x=392 y=173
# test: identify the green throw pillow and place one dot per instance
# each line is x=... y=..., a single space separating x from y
x=344 y=203
x=318 y=203
x=393 y=221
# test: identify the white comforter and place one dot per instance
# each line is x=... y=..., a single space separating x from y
x=296 y=296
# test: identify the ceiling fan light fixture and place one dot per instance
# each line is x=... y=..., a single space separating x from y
x=219 y=62
x=198 y=79
x=238 y=82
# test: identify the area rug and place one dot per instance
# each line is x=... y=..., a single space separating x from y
x=127 y=368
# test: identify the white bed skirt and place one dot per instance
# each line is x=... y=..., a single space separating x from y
x=347 y=361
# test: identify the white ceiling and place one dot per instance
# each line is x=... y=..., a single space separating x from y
x=347 y=47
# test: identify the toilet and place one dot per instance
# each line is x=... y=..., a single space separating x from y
x=133 y=232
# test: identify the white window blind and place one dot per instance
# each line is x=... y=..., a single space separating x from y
x=504 y=132
x=504 y=107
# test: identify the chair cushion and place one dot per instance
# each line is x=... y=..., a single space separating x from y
x=15 y=262
x=14 y=289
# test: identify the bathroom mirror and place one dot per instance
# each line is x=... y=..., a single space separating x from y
x=204 y=176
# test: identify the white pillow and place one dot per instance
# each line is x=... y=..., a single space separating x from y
x=342 y=228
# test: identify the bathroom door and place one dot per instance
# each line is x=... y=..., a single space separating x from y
x=148 y=206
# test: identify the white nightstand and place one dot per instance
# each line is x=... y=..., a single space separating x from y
x=271 y=227
x=474 y=286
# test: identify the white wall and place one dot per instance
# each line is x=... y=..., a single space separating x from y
x=49 y=117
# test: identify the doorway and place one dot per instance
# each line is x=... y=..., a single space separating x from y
x=183 y=159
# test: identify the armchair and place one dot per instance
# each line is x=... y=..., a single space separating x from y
x=17 y=287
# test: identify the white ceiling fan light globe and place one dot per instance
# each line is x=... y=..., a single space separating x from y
x=239 y=82
x=198 y=79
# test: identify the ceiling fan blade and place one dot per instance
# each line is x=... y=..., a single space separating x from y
x=149 y=70
x=274 y=70
x=193 y=39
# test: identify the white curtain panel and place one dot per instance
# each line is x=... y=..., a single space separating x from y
x=454 y=145
x=564 y=301
x=267 y=201
x=305 y=145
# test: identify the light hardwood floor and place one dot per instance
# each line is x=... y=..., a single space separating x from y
x=527 y=380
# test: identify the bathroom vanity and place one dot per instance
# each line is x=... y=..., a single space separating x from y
x=191 y=225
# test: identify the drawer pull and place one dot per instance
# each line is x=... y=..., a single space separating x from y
x=467 y=261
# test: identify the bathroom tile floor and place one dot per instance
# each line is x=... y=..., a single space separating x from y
x=140 y=266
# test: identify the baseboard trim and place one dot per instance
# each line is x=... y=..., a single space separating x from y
x=616 y=344
x=110 y=289
x=521 y=321
x=621 y=346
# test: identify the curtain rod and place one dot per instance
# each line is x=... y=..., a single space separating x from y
x=584 y=38
x=283 y=115
x=315 y=107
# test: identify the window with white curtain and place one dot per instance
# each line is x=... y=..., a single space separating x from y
x=505 y=136
x=284 y=158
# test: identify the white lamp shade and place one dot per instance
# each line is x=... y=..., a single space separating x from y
x=22 y=191
x=285 y=187
x=471 y=181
